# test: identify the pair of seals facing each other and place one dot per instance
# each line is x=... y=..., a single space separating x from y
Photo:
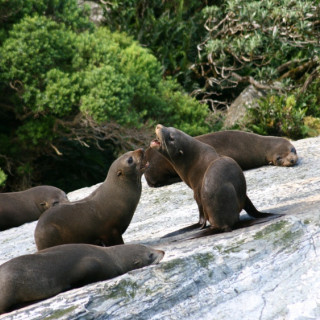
x=249 y=150
x=41 y=275
x=102 y=217
x=218 y=182
x=17 y=208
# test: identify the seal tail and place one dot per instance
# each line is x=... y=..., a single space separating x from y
x=253 y=212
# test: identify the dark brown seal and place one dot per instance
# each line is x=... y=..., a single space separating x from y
x=103 y=216
x=32 y=277
x=218 y=182
x=17 y=208
x=249 y=150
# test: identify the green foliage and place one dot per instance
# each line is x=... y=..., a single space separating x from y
x=179 y=110
x=278 y=115
x=310 y=98
x=116 y=80
x=171 y=29
x=63 y=79
x=68 y=12
x=265 y=40
x=109 y=96
x=3 y=178
x=294 y=114
x=215 y=49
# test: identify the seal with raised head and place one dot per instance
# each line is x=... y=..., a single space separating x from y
x=32 y=277
x=17 y=208
x=249 y=150
x=102 y=217
x=218 y=182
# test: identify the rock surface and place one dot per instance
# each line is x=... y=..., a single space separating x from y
x=267 y=271
x=238 y=109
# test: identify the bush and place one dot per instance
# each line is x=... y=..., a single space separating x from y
x=3 y=178
x=170 y=29
x=256 y=42
x=61 y=84
x=279 y=116
x=293 y=114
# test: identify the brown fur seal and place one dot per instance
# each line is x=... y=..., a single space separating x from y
x=32 y=277
x=17 y=208
x=218 y=182
x=103 y=216
x=249 y=150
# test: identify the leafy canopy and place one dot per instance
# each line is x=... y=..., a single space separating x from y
x=63 y=79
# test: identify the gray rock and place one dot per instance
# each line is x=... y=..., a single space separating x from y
x=96 y=11
x=238 y=109
x=267 y=271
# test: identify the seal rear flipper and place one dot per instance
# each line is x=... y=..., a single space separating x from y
x=253 y=212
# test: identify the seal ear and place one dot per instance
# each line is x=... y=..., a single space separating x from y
x=119 y=173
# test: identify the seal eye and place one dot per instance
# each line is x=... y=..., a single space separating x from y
x=171 y=138
x=293 y=150
x=278 y=158
x=130 y=160
x=151 y=256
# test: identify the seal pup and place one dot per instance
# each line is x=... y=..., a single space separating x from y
x=32 y=277
x=17 y=208
x=249 y=150
x=102 y=217
x=218 y=182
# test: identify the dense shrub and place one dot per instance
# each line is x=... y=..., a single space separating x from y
x=62 y=83
x=171 y=29
x=257 y=42
x=278 y=115
x=216 y=48
x=285 y=114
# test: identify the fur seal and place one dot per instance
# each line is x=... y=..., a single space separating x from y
x=17 y=208
x=32 y=277
x=249 y=150
x=218 y=182
x=102 y=217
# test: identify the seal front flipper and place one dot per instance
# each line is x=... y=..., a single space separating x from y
x=253 y=212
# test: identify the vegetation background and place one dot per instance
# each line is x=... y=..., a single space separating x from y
x=76 y=93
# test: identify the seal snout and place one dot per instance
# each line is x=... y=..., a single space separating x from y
x=289 y=161
x=140 y=153
x=156 y=143
x=159 y=127
x=159 y=256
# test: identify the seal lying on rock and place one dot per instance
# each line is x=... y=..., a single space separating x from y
x=17 y=208
x=103 y=216
x=218 y=182
x=32 y=277
x=249 y=150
